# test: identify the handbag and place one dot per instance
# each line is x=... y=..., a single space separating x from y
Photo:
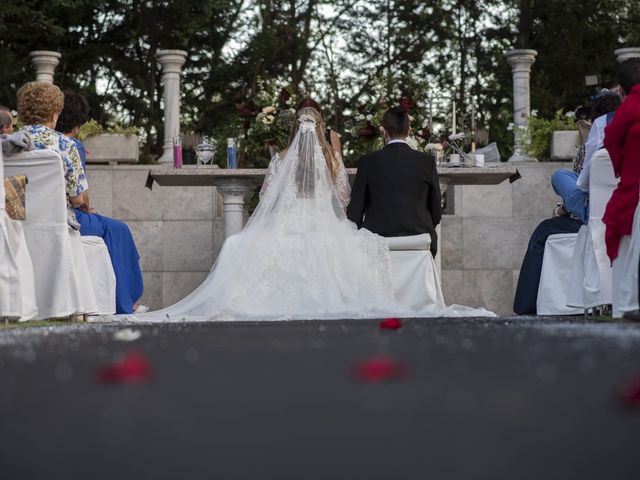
x=15 y=202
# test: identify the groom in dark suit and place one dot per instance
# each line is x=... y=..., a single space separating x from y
x=396 y=192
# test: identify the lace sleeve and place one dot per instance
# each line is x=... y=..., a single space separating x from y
x=343 y=188
x=271 y=172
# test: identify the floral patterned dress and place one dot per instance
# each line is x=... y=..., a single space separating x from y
x=47 y=138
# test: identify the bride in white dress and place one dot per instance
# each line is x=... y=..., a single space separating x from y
x=298 y=257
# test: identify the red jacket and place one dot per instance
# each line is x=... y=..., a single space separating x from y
x=622 y=140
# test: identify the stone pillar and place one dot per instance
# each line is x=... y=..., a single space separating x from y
x=45 y=63
x=233 y=192
x=623 y=54
x=172 y=62
x=520 y=61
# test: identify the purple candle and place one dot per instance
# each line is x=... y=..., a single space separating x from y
x=177 y=152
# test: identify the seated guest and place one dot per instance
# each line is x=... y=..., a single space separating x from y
x=39 y=104
x=622 y=141
x=570 y=217
x=573 y=186
x=39 y=107
x=6 y=121
x=116 y=235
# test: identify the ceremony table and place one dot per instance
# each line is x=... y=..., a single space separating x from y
x=238 y=185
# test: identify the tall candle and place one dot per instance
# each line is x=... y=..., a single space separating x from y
x=453 y=121
x=473 y=128
x=177 y=152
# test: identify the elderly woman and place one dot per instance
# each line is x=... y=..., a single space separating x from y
x=39 y=108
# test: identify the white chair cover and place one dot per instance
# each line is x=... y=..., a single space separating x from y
x=60 y=270
x=17 y=289
x=415 y=279
x=591 y=281
x=102 y=276
x=625 y=271
x=555 y=276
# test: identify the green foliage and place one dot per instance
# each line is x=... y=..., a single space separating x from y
x=353 y=57
x=92 y=128
x=537 y=138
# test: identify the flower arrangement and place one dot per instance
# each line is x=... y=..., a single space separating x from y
x=363 y=129
x=267 y=121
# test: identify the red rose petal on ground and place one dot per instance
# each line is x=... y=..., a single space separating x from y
x=134 y=367
x=629 y=393
x=379 y=369
x=390 y=324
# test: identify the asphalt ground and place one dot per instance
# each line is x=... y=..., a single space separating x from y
x=474 y=398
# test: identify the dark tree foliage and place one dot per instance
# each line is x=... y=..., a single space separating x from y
x=345 y=53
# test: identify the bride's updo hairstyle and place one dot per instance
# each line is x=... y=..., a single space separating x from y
x=308 y=106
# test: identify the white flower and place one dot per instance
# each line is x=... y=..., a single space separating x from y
x=457 y=136
x=361 y=117
x=369 y=117
x=510 y=126
x=534 y=113
x=411 y=141
x=570 y=115
x=269 y=109
x=350 y=152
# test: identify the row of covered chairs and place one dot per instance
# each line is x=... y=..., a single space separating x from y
x=59 y=273
x=576 y=271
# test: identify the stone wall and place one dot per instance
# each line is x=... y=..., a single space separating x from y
x=179 y=232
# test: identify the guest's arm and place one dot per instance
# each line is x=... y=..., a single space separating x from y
x=75 y=176
x=434 y=200
x=358 y=204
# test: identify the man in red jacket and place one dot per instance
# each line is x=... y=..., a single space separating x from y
x=622 y=140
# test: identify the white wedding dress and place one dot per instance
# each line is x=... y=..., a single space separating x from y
x=298 y=257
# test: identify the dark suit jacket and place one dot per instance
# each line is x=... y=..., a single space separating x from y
x=396 y=193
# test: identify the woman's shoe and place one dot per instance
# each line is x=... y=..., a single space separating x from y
x=141 y=308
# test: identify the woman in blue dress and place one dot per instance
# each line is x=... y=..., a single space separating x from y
x=116 y=234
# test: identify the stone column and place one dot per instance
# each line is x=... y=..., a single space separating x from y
x=623 y=54
x=172 y=62
x=233 y=192
x=45 y=63
x=520 y=61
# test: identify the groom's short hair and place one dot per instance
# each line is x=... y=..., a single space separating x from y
x=396 y=122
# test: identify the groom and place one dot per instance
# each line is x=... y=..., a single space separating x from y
x=396 y=192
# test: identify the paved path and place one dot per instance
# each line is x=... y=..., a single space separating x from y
x=491 y=399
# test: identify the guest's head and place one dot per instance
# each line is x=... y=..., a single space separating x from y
x=39 y=103
x=606 y=101
x=628 y=74
x=395 y=123
x=74 y=114
x=6 y=120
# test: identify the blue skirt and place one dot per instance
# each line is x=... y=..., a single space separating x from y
x=124 y=256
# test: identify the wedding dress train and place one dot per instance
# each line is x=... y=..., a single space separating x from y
x=298 y=257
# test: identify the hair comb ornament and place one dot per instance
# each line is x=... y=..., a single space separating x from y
x=307 y=123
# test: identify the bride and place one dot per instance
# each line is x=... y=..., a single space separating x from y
x=298 y=257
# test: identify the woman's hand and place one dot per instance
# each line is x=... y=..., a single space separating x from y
x=81 y=202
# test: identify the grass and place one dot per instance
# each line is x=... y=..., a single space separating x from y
x=36 y=323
